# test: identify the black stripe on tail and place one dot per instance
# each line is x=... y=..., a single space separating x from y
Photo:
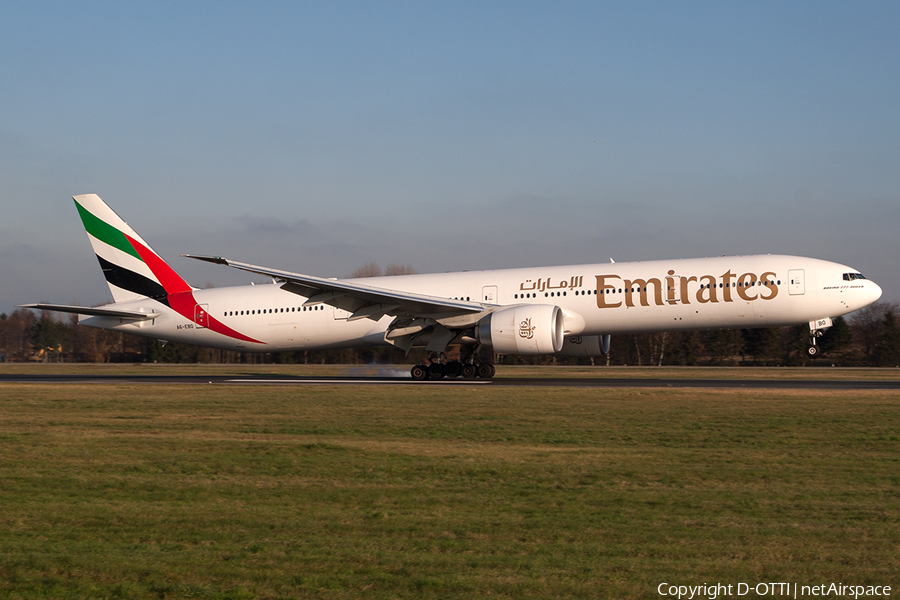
x=131 y=281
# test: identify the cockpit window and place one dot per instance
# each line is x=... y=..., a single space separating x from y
x=853 y=276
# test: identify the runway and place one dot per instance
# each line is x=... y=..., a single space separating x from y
x=579 y=382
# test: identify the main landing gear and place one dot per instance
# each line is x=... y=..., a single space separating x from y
x=467 y=369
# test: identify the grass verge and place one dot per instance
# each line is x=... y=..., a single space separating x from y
x=427 y=492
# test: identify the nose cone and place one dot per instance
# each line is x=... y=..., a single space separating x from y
x=874 y=292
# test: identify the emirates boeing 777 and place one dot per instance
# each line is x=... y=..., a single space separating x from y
x=568 y=311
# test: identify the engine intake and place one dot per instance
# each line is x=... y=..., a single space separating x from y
x=527 y=330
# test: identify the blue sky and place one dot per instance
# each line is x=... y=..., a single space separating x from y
x=317 y=137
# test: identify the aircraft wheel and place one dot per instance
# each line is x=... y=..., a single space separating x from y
x=469 y=371
x=486 y=370
x=813 y=351
x=453 y=368
x=419 y=373
x=436 y=371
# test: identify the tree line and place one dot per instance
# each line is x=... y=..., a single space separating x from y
x=870 y=337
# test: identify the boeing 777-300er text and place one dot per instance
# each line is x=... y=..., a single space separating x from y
x=568 y=311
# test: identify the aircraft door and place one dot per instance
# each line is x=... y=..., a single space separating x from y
x=201 y=316
x=673 y=292
x=489 y=294
x=796 y=287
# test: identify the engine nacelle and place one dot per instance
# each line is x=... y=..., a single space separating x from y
x=527 y=330
x=585 y=345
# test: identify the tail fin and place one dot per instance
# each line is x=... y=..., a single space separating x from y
x=132 y=269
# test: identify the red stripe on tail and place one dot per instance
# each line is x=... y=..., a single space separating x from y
x=180 y=294
x=170 y=280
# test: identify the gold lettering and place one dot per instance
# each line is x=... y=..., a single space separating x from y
x=771 y=287
x=602 y=286
x=745 y=282
x=684 y=289
x=726 y=281
x=709 y=288
x=642 y=288
x=706 y=293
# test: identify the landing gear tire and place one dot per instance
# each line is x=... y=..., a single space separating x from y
x=486 y=370
x=469 y=371
x=812 y=351
x=419 y=373
x=453 y=368
x=436 y=371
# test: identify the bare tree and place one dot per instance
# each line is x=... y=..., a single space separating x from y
x=393 y=269
x=368 y=270
x=887 y=346
x=15 y=334
x=867 y=324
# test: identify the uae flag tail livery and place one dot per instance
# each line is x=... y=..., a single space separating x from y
x=131 y=267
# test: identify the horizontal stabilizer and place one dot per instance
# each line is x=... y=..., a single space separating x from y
x=96 y=312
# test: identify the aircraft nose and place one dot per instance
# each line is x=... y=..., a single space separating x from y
x=874 y=292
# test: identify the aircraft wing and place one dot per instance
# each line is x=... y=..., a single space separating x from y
x=96 y=312
x=361 y=300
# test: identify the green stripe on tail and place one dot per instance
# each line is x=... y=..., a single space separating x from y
x=105 y=232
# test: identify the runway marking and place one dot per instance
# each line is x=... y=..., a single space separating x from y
x=361 y=381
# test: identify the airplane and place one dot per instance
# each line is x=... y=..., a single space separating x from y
x=565 y=311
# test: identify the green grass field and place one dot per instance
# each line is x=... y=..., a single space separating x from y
x=441 y=492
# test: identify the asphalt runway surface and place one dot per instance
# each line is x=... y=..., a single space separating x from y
x=580 y=382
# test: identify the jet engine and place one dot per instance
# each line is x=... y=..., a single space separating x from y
x=528 y=329
x=585 y=345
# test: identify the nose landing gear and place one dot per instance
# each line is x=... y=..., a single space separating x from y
x=816 y=330
x=812 y=350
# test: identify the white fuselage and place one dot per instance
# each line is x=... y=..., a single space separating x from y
x=597 y=299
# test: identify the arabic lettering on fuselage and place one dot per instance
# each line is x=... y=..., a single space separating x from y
x=542 y=285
